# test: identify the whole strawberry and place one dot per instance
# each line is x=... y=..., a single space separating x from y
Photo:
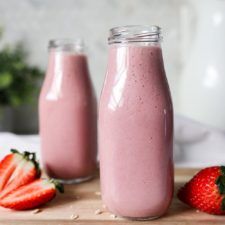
x=206 y=191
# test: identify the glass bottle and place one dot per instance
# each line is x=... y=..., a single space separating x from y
x=68 y=114
x=136 y=126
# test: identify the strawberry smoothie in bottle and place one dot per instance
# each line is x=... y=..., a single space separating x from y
x=136 y=126
x=68 y=114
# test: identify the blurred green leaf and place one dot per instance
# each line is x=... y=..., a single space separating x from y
x=18 y=65
x=15 y=100
x=19 y=81
x=6 y=79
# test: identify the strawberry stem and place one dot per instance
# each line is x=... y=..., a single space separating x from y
x=223 y=204
x=59 y=186
x=14 y=151
x=222 y=170
x=29 y=156
x=220 y=182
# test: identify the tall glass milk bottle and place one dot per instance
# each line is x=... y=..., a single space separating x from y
x=136 y=126
x=68 y=114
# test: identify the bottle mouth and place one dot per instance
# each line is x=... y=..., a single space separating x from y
x=74 y=45
x=135 y=33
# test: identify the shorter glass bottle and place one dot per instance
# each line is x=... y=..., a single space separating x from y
x=68 y=114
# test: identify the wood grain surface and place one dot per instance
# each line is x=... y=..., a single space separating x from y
x=84 y=200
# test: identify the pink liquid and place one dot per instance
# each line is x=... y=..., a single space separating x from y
x=67 y=109
x=136 y=133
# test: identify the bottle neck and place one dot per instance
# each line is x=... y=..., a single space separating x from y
x=64 y=63
x=66 y=56
x=134 y=48
x=135 y=59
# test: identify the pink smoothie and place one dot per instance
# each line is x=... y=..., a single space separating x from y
x=67 y=109
x=136 y=133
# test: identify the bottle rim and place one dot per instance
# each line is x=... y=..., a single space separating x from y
x=135 y=33
x=66 y=44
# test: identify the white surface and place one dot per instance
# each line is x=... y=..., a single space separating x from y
x=21 y=142
x=195 y=145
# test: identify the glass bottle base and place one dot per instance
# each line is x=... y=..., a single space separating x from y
x=76 y=180
x=142 y=218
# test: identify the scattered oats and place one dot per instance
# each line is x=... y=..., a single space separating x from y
x=104 y=206
x=113 y=216
x=197 y=211
x=74 y=217
x=98 y=193
x=36 y=211
x=71 y=206
x=98 y=212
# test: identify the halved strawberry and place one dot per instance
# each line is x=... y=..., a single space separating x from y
x=7 y=167
x=32 y=195
x=24 y=171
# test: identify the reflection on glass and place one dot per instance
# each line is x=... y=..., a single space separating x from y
x=217 y=18
x=55 y=90
x=120 y=79
x=211 y=77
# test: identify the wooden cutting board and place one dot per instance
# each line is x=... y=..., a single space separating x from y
x=84 y=199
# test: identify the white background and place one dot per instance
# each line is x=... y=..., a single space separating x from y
x=37 y=21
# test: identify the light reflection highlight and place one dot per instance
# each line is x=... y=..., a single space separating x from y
x=55 y=89
x=211 y=77
x=116 y=99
